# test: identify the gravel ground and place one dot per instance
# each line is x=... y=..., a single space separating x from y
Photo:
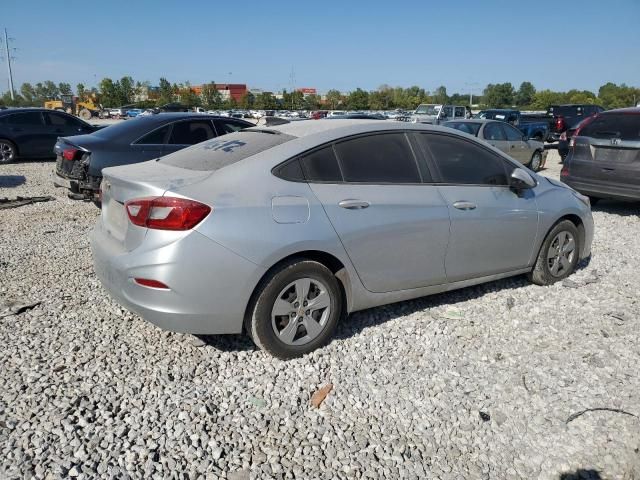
x=478 y=383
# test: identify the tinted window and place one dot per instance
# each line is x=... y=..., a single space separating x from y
x=290 y=171
x=59 y=120
x=191 y=132
x=462 y=162
x=513 y=134
x=222 y=151
x=27 y=118
x=613 y=125
x=321 y=166
x=460 y=112
x=157 y=137
x=466 y=127
x=224 y=126
x=385 y=158
x=493 y=131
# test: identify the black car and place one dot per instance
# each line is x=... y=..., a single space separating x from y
x=80 y=159
x=604 y=157
x=564 y=117
x=32 y=132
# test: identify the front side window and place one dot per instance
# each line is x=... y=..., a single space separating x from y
x=466 y=127
x=383 y=158
x=461 y=162
x=513 y=134
x=191 y=132
x=493 y=131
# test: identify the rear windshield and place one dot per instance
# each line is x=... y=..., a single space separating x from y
x=620 y=125
x=223 y=151
x=466 y=127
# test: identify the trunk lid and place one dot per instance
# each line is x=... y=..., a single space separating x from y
x=148 y=179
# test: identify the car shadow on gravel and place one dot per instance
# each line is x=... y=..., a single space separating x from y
x=625 y=209
x=581 y=474
x=228 y=343
x=12 y=181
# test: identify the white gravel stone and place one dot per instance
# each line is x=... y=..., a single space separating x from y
x=89 y=390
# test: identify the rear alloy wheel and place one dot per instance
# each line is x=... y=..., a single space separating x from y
x=536 y=161
x=7 y=152
x=296 y=310
x=558 y=256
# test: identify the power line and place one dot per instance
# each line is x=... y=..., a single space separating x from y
x=9 y=58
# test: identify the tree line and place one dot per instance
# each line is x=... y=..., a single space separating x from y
x=125 y=91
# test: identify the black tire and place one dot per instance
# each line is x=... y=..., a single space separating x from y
x=262 y=328
x=8 y=151
x=536 y=161
x=542 y=272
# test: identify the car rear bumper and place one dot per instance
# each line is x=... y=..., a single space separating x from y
x=210 y=286
x=604 y=190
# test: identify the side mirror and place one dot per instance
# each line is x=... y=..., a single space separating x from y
x=521 y=180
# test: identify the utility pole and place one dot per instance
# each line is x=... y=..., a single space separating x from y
x=6 y=48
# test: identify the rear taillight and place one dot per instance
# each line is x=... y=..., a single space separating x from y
x=559 y=124
x=166 y=213
x=70 y=153
x=565 y=171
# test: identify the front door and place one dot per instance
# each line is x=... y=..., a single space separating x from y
x=393 y=227
x=493 y=229
x=518 y=148
x=494 y=135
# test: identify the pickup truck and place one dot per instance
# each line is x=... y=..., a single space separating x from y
x=436 y=113
x=533 y=127
x=566 y=117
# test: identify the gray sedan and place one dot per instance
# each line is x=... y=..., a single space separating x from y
x=282 y=231
x=506 y=138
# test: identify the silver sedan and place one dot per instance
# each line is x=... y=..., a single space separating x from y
x=506 y=138
x=282 y=231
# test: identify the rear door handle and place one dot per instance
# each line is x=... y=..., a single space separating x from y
x=351 y=204
x=463 y=205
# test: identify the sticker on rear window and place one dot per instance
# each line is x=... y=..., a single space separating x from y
x=227 y=146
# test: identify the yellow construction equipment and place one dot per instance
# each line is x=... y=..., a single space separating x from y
x=68 y=103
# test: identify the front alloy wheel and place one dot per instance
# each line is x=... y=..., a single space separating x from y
x=7 y=152
x=536 y=161
x=558 y=256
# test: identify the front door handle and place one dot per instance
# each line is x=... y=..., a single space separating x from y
x=351 y=204
x=462 y=205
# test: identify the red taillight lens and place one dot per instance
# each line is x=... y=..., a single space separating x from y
x=69 y=153
x=166 y=213
x=147 y=282
x=559 y=124
x=564 y=172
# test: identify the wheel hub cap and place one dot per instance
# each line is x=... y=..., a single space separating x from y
x=561 y=253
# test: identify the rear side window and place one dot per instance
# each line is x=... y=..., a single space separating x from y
x=321 y=166
x=466 y=127
x=157 y=137
x=613 y=125
x=513 y=134
x=28 y=118
x=384 y=158
x=191 y=132
x=226 y=150
x=461 y=162
x=224 y=126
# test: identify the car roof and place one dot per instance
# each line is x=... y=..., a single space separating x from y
x=473 y=120
x=635 y=110
x=25 y=109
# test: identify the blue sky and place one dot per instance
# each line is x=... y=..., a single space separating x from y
x=460 y=44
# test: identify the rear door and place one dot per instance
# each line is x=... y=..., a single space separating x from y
x=185 y=133
x=151 y=145
x=493 y=229
x=608 y=152
x=494 y=135
x=394 y=227
x=27 y=129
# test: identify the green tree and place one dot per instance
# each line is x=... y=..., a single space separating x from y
x=499 y=95
x=246 y=101
x=64 y=89
x=81 y=92
x=126 y=90
x=109 y=93
x=50 y=91
x=311 y=102
x=165 y=92
x=265 y=101
x=188 y=97
x=358 y=100
x=440 y=95
x=525 y=94
x=29 y=94
x=211 y=98
x=618 y=96
x=334 y=99
x=543 y=98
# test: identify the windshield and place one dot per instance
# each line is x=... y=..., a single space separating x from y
x=492 y=115
x=428 y=109
x=220 y=152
